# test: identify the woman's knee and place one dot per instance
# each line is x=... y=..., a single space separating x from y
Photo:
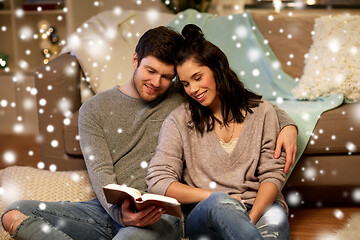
x=274 y=223
x=219 y=199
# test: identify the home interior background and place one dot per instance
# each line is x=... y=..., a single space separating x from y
x=50 y=40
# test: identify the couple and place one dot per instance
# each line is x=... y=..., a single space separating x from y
x=119 y=131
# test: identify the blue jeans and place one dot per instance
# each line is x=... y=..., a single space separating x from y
x=223 y=217
x=84 y=220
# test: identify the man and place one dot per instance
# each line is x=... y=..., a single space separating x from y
x=118 y=135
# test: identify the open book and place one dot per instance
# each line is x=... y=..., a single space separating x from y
x=116 y=194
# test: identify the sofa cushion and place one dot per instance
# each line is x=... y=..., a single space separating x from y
x=332 y=63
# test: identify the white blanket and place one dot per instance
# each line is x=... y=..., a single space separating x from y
x=105 y=44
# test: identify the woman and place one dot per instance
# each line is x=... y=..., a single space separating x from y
x=215 y=152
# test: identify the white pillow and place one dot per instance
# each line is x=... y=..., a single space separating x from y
x=104 y=46
x=333 y=61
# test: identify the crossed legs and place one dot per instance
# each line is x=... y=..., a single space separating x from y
x=29 y=219
x=223 y=217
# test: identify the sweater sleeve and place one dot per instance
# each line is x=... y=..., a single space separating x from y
x=97 y=156
x=284 y=118
x=269 y=168
x=166 y=166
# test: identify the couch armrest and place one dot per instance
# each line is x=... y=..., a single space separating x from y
x=71 y=136
x=58 y=97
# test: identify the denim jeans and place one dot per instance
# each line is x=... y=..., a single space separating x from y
x=84 y=220
x=223 y=217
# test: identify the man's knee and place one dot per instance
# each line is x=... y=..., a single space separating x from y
x=11 y=220
x=15 y=213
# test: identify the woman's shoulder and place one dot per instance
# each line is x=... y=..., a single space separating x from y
x=265 y=107
x=181 y=112
x=181 y=115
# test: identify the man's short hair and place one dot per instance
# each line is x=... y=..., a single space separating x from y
x=161 y=42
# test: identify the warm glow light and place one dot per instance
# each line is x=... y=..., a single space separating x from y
x=311 y=2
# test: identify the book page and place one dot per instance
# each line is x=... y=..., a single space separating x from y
x=149 y=196
x=116 y=194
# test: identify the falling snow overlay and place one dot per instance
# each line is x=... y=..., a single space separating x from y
x=101 y=54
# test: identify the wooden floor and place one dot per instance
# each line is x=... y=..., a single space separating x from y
x=318 y=223
x=305 y=223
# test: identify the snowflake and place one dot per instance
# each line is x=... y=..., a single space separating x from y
x=356 y=195
x=9 y=157
x=41 y=165
x=3 y=103
x=50 y=128
x=42 y=206
x=293 y=199
x=54 y=143
x=18 y=128
x=212 y=185
x=19 y=13
x=351 y=147
x=310 y=173
x=279 y=100
x=45 y=228
x=256 y=72
x=144 y=164
x=75 y=177
x=52 y=167
x=338 y=214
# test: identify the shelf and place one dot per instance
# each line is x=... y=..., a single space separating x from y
x=44 y=12
x=5 y=12
x=21 y=36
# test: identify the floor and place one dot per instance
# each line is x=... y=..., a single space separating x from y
x=318 y=223
x=306 y=223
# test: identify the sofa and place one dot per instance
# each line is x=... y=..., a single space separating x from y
x=327 y=166
x=326 y=173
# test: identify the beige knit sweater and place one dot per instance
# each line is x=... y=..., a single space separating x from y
x=184 y=155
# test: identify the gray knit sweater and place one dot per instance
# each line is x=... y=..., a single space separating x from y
x=200 y=161
x=118 y=137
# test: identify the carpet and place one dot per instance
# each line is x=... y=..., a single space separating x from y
x=351 y=229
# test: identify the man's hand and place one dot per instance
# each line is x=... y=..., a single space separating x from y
x=143 y=218
x=287 y=140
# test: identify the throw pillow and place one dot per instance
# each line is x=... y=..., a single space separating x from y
x=104 y=46
x=332 y=65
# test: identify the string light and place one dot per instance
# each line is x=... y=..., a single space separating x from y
x=49 y=41
x=3 y=60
